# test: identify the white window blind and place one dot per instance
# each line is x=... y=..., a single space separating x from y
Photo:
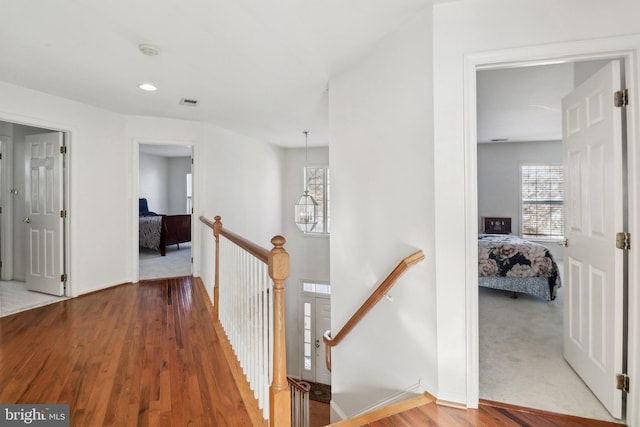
x=542 y=201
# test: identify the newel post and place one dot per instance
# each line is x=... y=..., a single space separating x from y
x=279 y=394
x=217 y=226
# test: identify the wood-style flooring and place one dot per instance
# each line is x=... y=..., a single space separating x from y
x=149 y=354
x=142 y=354
x=487 y=415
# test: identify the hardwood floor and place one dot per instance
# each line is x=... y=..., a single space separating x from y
x=319 y=414
x=149 y=354
x=489 y=414
x=139 y=354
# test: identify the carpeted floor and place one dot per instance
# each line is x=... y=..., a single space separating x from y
x=177 y=262
x=521 y=356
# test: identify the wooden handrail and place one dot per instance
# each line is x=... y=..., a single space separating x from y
x=257 y=251
x=373 y=299
x=301 y=386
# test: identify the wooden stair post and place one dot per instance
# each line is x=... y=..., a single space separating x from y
x=279 y=394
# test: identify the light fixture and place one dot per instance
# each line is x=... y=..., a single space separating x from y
x=306 y=209
x=149 y=49
x=147 y=86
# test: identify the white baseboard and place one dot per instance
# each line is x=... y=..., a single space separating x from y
x=338 y=414
x=408 y=393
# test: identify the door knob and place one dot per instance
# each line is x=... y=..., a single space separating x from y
x=317 y=343
x=564 y=242
x=27 y=220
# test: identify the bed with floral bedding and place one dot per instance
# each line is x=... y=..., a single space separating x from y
x=514 y=264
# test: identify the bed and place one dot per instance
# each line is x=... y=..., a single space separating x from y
x=514 y=264
x=158 y=231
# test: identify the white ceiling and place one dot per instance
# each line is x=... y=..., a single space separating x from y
x=522 y=104
x=258 y=67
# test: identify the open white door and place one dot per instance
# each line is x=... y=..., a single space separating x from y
x=44 y=205
x=593 y=315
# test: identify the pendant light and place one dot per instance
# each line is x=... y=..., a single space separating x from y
x=306 y=209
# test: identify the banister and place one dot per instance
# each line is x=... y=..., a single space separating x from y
x=366 y=307
x=258 y=251
x=301 y=386
x=277 y=261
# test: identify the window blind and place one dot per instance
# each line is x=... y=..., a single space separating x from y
x=542 y=201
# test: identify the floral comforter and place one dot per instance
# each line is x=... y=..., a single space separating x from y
x=503 y=255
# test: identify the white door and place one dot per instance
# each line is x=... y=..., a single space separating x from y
x=316 y=321
x=593 y=278
x=323 y=324
x=44 y=222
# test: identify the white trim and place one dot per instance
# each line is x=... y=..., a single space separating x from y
x=608 y=48
x=6 y=238
x=135 y=188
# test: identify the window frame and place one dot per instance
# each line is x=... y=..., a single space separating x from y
x=323 y=213
x=523 y=203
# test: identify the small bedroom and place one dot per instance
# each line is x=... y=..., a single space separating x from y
x=521 y=245
x=165 y=202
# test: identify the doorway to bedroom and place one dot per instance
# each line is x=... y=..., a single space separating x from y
x=521 y=338
x=165 y=201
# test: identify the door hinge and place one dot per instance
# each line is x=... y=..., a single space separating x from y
x=622 y=382
x=623 y=241
x=621 y=98
x=63 y=214
x=191 y=260
x=63 y=149
x=63 y=277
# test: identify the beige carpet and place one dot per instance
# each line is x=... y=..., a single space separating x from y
x=521 y=359
x=177 y=262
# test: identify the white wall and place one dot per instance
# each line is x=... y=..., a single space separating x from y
x=163 y=182
x=309 y=254
x=499 y=191
x=241 y=180
x=179 y=167
x=154 y=182
x=99 y=182
x=461 y=28
x=236 y=177
x=103 y=194
x=381 y=132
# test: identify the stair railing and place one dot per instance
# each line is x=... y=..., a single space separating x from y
x=248 y=301
x=366 y=307
x=299 y=402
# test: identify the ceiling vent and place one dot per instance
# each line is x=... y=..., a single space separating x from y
x=188 y=101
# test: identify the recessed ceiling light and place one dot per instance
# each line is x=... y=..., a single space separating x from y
x=147 y=86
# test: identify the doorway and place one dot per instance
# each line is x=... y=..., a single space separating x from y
x=316 y=320
x=479 y=64
x=165 y=202
x=28 y=284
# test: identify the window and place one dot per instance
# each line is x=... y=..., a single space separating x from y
x=543 y=201
x=317 y=182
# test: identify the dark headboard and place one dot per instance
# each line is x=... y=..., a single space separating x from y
x=143 y=208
